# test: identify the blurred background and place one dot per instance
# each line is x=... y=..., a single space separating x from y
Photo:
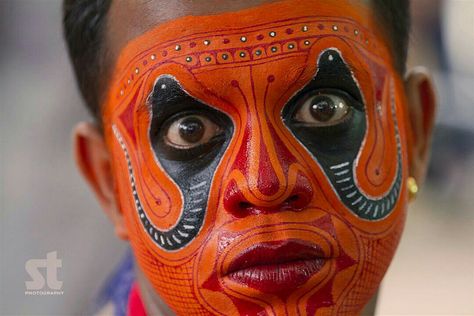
x=45 y=205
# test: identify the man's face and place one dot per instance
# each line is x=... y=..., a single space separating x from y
x=260 y=158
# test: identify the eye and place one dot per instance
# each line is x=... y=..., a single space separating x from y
x=190 y=131
x=322 y=109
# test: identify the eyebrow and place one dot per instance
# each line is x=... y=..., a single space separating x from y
x=164 y=92
x=333 y=71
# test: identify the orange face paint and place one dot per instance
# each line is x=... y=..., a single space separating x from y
x=260 y=159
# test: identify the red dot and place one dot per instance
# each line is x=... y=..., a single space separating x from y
x=164 y=53
x=271 y=78
x=192 y=44
x=260 y=37
x=289 y=31
x=226 y=41
x=320 y=26
x=234 y=83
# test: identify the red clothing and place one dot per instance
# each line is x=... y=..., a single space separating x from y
x=135 y=303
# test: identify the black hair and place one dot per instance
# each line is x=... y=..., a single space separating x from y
x=84 y=30
x=84 y=23
x=394 y=16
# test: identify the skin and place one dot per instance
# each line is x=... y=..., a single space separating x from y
x=271 y=183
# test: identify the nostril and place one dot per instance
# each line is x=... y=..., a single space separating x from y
x=244 y=205
x=239 y=206
x=297 y=201
x=293 y=198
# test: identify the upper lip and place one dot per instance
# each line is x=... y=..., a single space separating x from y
x=274 y=253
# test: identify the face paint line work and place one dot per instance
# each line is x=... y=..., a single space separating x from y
x=259 y=159
x=178 y=236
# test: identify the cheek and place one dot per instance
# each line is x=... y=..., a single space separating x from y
x=144 y=189
x=366 y=188
x=376 y=252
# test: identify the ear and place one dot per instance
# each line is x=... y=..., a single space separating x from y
x=93 y=160
x=421 y=106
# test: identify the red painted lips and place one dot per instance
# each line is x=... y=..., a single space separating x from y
x=277 y=267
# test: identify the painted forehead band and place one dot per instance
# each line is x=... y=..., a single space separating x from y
x=243 y=46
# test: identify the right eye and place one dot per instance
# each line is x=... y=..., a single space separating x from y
x=190 y=131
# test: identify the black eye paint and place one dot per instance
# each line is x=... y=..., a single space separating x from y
x=169 y=103
x=192 y=169
x=342 y=141
x=336 y=148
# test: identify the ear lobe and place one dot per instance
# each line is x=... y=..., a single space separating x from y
x=94 y=162
x=421 y=105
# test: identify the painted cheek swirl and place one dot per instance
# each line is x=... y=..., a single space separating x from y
x=338 y=154
x=342 y=175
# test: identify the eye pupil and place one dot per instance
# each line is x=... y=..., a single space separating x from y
x=191 y=129
x=322 y=108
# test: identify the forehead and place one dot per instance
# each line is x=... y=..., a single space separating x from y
x=186 y=40
x=128 y=20
x=131 y=18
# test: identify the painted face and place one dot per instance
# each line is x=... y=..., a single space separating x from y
x=260 y=159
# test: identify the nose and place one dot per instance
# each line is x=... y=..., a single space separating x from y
x=265 y=176
x=240 y=202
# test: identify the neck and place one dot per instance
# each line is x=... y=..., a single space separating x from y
x=154 y=305
x=369 y=309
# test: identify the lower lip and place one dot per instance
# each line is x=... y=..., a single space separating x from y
x=281 y=278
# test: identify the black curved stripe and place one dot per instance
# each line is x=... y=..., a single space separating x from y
x=190 y=220
x=370 y=208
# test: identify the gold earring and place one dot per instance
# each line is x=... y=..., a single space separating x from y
x=412 y=188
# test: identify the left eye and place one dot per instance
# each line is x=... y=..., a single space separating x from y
x=190 y=131
x=322 y=109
